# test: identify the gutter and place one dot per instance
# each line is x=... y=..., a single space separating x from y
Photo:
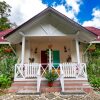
x=4 y=42
x=95 y=42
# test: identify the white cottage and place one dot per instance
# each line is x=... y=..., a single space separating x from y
x=64 y=40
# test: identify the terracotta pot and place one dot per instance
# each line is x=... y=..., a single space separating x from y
x=8 y=50
x=50 y=84
x=91 y=50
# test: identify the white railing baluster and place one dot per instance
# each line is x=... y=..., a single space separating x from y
x=65 y=69
x=74 y=70
x=70 y=70
x=31 y=70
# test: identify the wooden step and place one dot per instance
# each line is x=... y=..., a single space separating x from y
x=55 y=88
x=77 y=92
x=77 y=85
x=23 y=86
x=69 y=86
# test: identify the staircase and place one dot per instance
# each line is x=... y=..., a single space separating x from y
x=70 y=86
x=30 y=86
x=23 y=86
x=76 y=86
x=55 y=88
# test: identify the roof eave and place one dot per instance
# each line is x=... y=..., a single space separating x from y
x=50 y=9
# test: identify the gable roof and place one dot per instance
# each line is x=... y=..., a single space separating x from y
x=47 y=10
x=51 y=10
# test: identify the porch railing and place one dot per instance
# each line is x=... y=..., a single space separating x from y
x=45 y=67
x=31 y=70
x=24 y=71
x=74 y=70
x=70 y=70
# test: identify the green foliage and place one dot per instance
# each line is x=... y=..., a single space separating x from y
x=95 y=81
x=51 y=76
x=4 y=24
x=93 y=67
x=7 y=66
x=3 y=53
x=4 y=13
x=4 y=9
x=7 y=63
x=4 y=81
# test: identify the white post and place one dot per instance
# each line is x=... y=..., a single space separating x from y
x=23 y=50
x=50 y=67
x=77 y=52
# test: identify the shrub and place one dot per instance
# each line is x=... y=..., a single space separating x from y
x=95 y=81
x=4 y=81
x=7 y=66
x=51 y=76
x=93 y=67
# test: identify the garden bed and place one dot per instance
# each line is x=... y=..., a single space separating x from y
x=3 y=91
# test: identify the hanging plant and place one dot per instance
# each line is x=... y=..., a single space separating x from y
x=92 y=48
x=8 y=50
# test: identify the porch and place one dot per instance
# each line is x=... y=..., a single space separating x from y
x=39 y=57
x=56 y=53
x=36 y=71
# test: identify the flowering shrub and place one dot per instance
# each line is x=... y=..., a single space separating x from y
x=7 y=62
x=93 y=67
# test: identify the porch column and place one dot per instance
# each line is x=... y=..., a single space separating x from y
x=77 y=51
x=23 y=50
x=50 y=67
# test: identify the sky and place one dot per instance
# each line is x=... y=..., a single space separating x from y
x=84 y=12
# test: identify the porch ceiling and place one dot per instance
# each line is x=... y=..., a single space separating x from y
x=60 y=39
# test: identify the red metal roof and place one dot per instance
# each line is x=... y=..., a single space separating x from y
x=94 y=30
x=3 y=33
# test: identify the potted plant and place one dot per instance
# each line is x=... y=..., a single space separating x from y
x=92 y=48
x=8 y=50
x=51 y=77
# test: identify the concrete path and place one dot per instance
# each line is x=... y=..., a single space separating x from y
x=51 y=96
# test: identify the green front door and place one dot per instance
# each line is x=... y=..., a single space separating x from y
x=56 y=58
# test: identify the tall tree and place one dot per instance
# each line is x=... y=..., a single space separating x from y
x=4 y=13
